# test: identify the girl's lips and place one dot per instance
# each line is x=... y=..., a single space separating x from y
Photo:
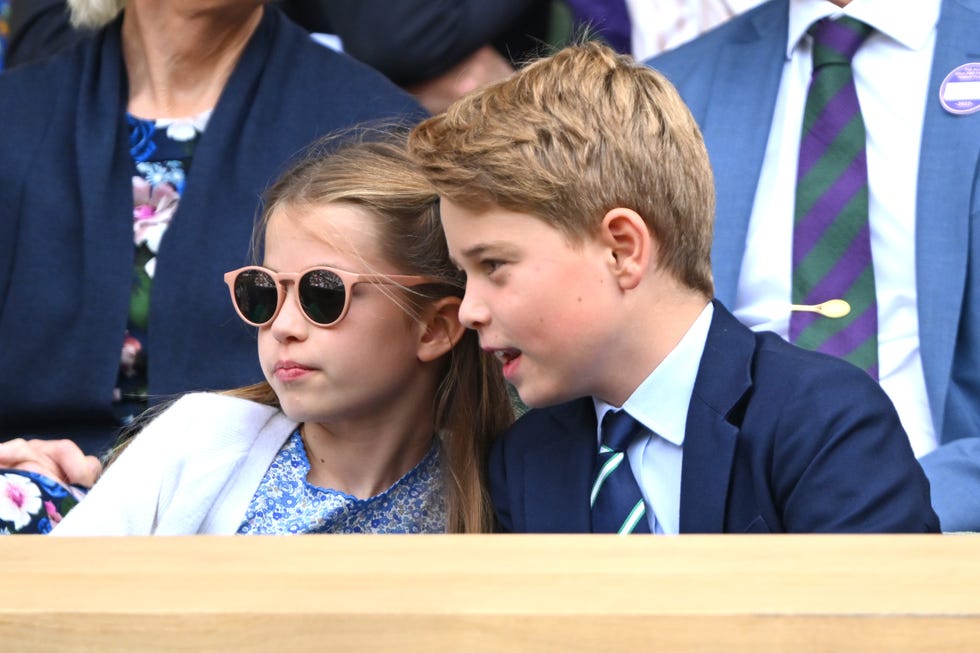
x=290 y=370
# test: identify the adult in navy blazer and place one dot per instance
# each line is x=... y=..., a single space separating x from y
x=757 y=456
x=66 y=231
x=730 y=78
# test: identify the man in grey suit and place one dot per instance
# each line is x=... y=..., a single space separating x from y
x=918 y=81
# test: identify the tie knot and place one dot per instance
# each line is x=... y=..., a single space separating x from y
x=836 y=41
x=619 y=429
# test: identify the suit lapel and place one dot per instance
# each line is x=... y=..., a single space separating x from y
x=947 y=164
x=559 y=468
x=709 y=442
x=736 y=131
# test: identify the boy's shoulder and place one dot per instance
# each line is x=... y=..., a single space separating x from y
x=779 y=363
x=763 y=359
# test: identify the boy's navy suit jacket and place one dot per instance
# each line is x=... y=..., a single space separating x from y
x=778 y=439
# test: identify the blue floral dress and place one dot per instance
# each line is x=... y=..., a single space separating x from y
x=32 y=503
x=285 y=502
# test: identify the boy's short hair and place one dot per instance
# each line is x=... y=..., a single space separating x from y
x=571 y=136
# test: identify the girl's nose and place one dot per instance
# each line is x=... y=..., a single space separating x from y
x=290 y=323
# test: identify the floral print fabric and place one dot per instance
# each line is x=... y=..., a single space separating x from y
x=162 y=151
x=286 y=503
x=32 y=503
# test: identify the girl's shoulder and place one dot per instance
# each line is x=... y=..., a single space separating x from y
x=218 y=418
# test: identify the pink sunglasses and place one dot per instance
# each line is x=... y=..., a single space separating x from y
x=323 y=292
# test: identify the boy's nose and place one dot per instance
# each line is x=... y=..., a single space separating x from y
x=473 y=311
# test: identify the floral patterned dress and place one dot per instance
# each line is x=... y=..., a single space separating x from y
x=286 y=503
x=32 y=503
x=162 y=151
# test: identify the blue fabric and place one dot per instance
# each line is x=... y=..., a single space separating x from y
x=610 y=18
x=733 y=102
x=286 y=503
x=66 y=252
x=778 y=439
x=4 y=28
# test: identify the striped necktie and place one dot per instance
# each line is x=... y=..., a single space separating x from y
x=831 y=237
x=617 y=505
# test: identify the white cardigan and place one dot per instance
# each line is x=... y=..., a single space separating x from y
x=193 y=469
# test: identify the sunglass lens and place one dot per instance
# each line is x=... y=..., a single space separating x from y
x=321 y=294
x=256 y=295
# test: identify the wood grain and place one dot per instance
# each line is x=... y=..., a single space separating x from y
x=491 y=593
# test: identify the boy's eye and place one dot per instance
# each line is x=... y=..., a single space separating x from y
x=491 y=265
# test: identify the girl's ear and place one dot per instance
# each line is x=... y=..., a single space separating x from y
x=630 y=244
x=441 y=328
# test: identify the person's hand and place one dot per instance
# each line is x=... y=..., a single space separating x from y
x=484 y=66
x=60 y=460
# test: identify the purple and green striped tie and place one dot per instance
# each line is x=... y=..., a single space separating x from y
x=831 y=238
x=617 y=504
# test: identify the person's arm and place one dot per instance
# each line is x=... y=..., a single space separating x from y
x=842 y=462
x=417 y=41
x=953 y=471
x=484 y=66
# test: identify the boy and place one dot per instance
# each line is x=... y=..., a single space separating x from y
x=577 y=196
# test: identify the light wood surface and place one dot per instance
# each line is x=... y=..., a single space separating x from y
x=491 y=593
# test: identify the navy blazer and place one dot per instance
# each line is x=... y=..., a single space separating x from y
x=66 y=234
x=778 y=439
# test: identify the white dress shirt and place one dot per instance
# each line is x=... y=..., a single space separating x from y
x=660 y=403
x=891 y=73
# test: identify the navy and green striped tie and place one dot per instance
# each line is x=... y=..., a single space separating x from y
x=831 y=238
x=617 y=504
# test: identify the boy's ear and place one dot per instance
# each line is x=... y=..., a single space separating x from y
x=441 y=328
x=630 y=243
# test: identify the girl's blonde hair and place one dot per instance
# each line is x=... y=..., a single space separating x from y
x=374 y=173
x=94 y=13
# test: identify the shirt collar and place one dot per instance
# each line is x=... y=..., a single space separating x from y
x=661 y=402
x=910 y=26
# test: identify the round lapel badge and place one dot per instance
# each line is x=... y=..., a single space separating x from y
x=960 y=91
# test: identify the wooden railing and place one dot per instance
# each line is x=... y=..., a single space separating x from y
x=491 y=593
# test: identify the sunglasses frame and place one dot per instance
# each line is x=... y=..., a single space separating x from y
x=348 y=279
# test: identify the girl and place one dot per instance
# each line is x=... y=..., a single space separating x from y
x=378 y=407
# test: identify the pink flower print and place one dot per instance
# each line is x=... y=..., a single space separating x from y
x=20 y=499
x=153 y=209
x=130 y=350
x=53 y=513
